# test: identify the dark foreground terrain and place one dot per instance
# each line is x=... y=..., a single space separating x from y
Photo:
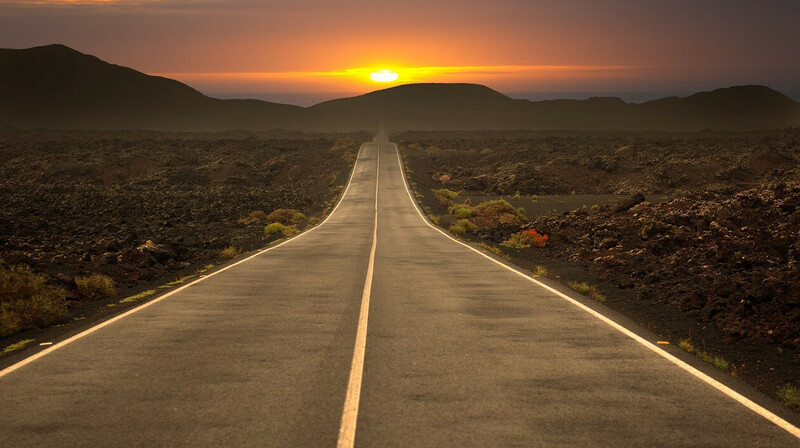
x=147 y=208
x=696 y=236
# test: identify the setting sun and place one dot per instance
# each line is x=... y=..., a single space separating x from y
x=383 y=76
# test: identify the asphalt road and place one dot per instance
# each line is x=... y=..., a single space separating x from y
x=457 y=351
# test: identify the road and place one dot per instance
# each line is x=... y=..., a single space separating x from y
x=422 y=341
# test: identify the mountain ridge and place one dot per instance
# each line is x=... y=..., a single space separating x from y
x=54 y=86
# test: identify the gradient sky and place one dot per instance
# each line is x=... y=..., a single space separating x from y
x=510 y=45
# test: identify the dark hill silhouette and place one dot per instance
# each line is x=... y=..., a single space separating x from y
x=57 y=87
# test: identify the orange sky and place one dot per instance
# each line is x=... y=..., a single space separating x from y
x=510 y=45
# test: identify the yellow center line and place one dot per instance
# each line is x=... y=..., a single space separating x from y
x=347 y=430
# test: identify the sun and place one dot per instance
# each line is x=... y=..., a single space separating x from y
x=383 y=76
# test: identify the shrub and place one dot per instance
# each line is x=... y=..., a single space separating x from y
x=286 y=216
x=496 y=208
x=26 y=301
x=449 y=194
x=434 y=219
x=278 y=228
x=444 y=178
x=313 y=221
x=540 y=270
x=95 y=286
x=229 y=252
x=516 y=196
x=581 y=287
x=255 y=216
x=525 y=239
x=790 y=395
x=461 y=227
x=461 y=211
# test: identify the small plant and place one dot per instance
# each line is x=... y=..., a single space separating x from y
x=516 y=196
x=434 y=219
x=17 y=346
x=256 y=216
x=444 y=178
x=686 y=344
x=445 y=196
x=229 y=252
x=587 y=290
x=718 y=361
x=461 y=227
x=790 y=394
x=95 y=286
x=278 y=228
x=461 y=211
x=312 y=221
x=525 y=239
x=540 y=270
x=139 y=296
x=493 y=249
x=286 y=216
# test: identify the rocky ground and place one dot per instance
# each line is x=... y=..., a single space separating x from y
x=717 y=262
x=146 y=207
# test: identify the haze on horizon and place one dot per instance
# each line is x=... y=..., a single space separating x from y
x=250 y=46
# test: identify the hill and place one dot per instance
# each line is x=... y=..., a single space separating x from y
x=57 y=87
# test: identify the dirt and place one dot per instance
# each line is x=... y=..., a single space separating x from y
x=146 y=208
x=704 y=245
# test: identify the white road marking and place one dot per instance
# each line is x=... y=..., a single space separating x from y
x=91 y=330
x=783 y=424
x=347 y=430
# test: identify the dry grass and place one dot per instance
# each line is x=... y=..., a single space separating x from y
x=17 y=346
x=26 y=301
x=718 y=361
x=790 y=394
x=139 y=296
x=541 y=271
x=256 y=216
x=587 y=290
x=277 y=228
x=95 y=286
x=286 y=216
x=229 y=252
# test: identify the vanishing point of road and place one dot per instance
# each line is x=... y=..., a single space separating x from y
x=374 y=329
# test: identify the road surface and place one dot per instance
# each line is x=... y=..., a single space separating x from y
x=373 y=329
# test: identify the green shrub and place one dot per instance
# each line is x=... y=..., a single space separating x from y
x=445 y=196
x=312 y=221
x=278 y=228
x=434 y=219
x=461 y=227
x=541 y=271
x=26 y=301
x=495 y=208
x=790 y=395
x=286 y=216
x=581 y=287
x=229 y=252
x=461 y=211
x=95 y=286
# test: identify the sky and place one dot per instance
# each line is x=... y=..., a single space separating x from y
x=282 y=46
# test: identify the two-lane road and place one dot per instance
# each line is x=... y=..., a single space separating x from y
x=454 y=350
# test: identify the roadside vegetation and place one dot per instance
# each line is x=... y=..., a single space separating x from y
x=27 y=301
x=229 y=252
x=281 y=230
x=587 y=290
x=718 y=361
x=95 y=287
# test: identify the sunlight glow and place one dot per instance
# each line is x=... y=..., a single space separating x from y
x=383 y=76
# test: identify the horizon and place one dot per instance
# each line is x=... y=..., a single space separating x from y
x=312 y=46
x=306 y=99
